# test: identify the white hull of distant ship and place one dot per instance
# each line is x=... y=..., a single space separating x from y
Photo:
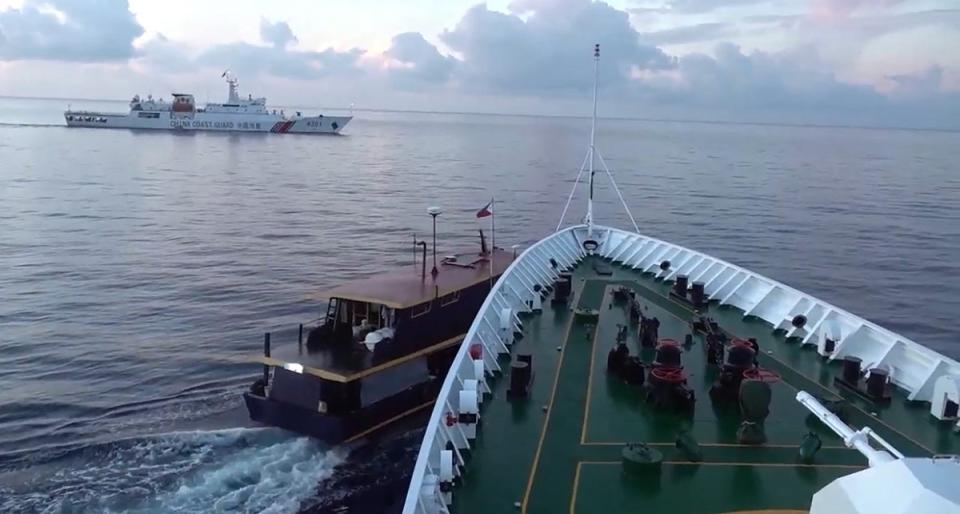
x=182 y=115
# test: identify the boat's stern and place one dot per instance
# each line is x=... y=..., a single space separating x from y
x=314 y=125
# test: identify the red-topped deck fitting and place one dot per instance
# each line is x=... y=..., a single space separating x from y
x=669 y=354
x=671 y=375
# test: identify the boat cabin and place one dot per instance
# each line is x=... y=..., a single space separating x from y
x=386 y=335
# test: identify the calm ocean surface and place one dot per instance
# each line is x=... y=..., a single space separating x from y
x=137 y=269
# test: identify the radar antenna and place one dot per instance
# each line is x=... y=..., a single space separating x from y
x=232 y=95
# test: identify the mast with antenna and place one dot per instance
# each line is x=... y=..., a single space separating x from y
x=588 y=219
x=591 y=156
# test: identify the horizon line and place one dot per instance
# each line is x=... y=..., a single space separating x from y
x=540 y=115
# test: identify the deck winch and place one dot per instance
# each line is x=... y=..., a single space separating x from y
x=669 y=354
x=666 y=381
x=667 y=389
x=740 y=358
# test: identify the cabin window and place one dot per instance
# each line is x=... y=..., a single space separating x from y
x=148 y=114
x=450 y=298
x=420 y=310
x=374 y=315
x=359 y=312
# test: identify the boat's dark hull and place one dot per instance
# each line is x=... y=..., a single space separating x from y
x=334 y=429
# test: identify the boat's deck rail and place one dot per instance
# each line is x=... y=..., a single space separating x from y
x=911 y=366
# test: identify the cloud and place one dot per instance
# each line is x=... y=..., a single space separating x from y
x=788 y=81
x=278 y=34
x=925 y=83
x=247 y=59
x=532 y=54
x=535 y=56
x=161 y=53
x=695 y=6
x=690 y=34
x=845 y=8
x=68 y=30
x=418 y=60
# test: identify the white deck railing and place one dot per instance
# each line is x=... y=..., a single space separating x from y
x=911 y=366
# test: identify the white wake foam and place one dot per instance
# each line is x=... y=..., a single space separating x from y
x=240 y=470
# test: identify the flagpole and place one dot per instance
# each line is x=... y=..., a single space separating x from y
x=493 y=239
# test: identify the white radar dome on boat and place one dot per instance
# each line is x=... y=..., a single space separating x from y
x=911 y=485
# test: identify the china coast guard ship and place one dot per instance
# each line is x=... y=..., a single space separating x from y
x=182 y=114
x=672 y=381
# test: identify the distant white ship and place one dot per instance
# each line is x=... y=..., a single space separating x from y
x=236 y=115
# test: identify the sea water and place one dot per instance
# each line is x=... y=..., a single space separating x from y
x=138 y=270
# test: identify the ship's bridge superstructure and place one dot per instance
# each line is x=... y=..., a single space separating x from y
x=235 y=104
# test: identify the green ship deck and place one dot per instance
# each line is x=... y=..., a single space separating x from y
x=560 y=449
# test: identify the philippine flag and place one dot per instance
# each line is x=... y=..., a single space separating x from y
x=487 y=210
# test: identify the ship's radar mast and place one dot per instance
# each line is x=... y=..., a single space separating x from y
x=232 y=95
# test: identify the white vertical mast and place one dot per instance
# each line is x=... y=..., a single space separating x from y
x=588 y=219
x=592 y=155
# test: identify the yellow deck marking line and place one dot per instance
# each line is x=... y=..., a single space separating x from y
x=337 y=377
x=736 y=463
x=770 y=511
x=713 y=445
x=553 y=392
x=593 y=354
x=764 y=464
x=814 y=382
x=382 y=424
x=576 y=485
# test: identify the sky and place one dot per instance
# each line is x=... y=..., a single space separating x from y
x=859 y=62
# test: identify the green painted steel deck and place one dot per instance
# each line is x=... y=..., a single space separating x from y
x=560 y=449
